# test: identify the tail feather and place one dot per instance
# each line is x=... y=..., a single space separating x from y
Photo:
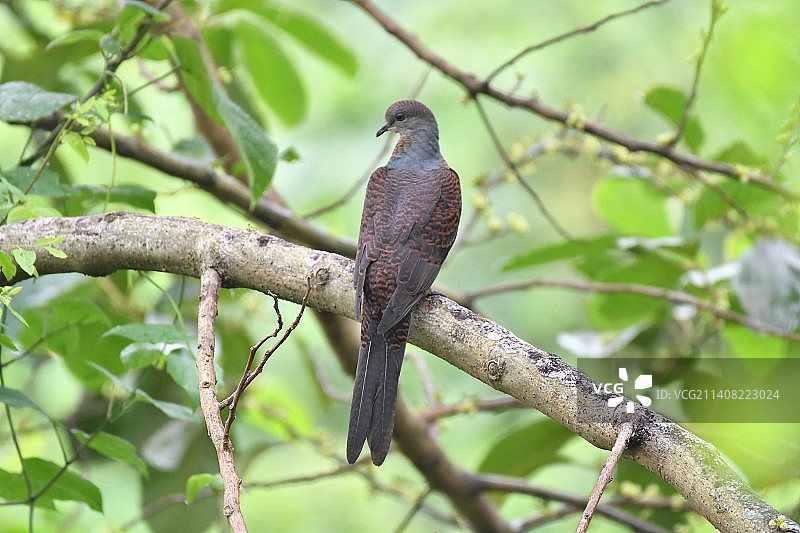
x=374 y=398
x=380 y=433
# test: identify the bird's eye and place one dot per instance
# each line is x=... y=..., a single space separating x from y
x=400 y=117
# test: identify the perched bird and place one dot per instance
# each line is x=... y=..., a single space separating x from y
x=410 y=218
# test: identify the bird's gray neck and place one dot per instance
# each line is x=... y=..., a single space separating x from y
x=420 y=147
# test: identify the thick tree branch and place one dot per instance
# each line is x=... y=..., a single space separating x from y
x=473 y=85
x=99 y=245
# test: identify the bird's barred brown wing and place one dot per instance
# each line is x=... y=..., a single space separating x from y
x=366 y=251
x=427 y=243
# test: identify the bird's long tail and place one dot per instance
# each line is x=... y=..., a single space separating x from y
x=375 y=391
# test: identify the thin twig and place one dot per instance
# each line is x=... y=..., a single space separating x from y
x=324 y=381
x=498 y=483
x=252 y=354
x=793 y=134
x=541 y=519
x=513 y=168
x=425 y=376
x=248 y=376
x=632 y=288
x=571 y=33
x=155 y=80
x=722 y=193
x=413 y=511
x=684 y=121
x=535 y=150
x=492 y=404
x=210 y=282
x=625 y=432
x=473 y=85
x=341 y=469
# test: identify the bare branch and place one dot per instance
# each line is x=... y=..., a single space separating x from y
x=496 y=483
x=625 y=432
x=633 y=288
x=210 y=282
x=571 y=33
x=466 y=407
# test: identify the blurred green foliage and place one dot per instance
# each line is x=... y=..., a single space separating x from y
x=98 y=374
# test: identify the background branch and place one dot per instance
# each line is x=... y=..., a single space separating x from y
x=473 y=85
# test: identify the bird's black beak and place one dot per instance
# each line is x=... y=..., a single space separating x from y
x=383 y=130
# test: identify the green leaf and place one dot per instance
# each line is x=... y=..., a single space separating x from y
x=113 y=447
x=563 y=250
x=7 y=342
x=633 y=206
x=150 y=333
x=82 y=197
x=13 y=487
x=156 y=49
x=194 y=74
x=15 y=398
x=116 y=380
x=313 y=35
x=198 y=482
x=78 y=144
x=75 y=36
x=8 y=267
x=272 y=73
x=46 y=185
x=26 y=259
x=754 y=200
x=111 y=44
x=258 y=151
x=21 y=101
x=22 y=212
x=172 y=410
x=670 y=102
x=146 y=9
x=740 y=152
x=182 y=367
x=10 y=194
x=69 y=486
x=6 y=293
x=522 y=451
x=140 y=358
x=55 y=252
x=46 y=241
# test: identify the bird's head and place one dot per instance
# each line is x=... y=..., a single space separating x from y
x=409 y=117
